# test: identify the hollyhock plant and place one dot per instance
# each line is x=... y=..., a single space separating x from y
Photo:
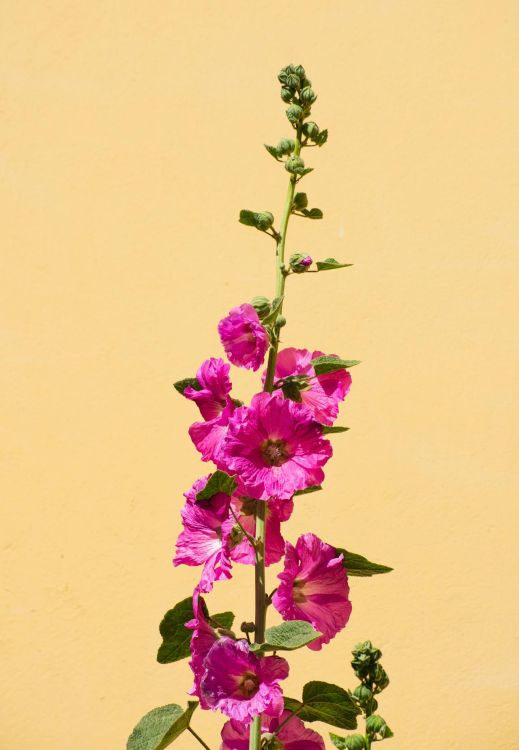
x=243 y=337
x=314 y=587
x=321 y=393
x=289 y=731
x=275 y=447
x=244 y=509
x=204 y=540
x=241 y=684
x=269 y=456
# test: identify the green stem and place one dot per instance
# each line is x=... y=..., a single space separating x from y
x=200 y=740
x=261 y=507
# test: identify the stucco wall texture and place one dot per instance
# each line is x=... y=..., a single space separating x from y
x=131 y=136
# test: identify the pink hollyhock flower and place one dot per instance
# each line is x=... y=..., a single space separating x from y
x=212 y=398
x=275 y=447
x=245 y=508
x=243 y=337
x=314 y=587
x=292 y=736
x=203 y=638
x=204 y=540
x=241 y=684
x=324 y=392
x=208 y=436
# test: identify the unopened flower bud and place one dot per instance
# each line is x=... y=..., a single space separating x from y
x=300 y=201
x=285 y=146
x=286 y=95
x=294 y=113
x=355 y=742
x=264 y=220
x=300 y=71
x=308 y=95
x=261 y=305
x=281 y=321
x=311 y=129
x=248 y=627
x=294 y=164
x=293 y=82
x=299 y=262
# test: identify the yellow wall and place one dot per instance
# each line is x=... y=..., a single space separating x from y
x=131 y=136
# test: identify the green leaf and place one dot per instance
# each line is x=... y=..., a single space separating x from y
x=322 y=137
x=223 y=620
x=353 y=742
x=273 y=151
x=300 y=201
x=329 y=264
x=314 y=488
x=218 y=482
x=330 y=429
x=312 y=213
x=275 y=307
x=329 y=363
x=248 y=218
x=176 y=638
x=377 y=728
x=288 y=636
x=160 y=727
x=305 y=171
x=181 y=385
x=356 y=565
x=325 y=702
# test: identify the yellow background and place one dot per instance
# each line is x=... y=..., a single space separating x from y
x=132 y=135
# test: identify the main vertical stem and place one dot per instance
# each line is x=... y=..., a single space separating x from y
x=261 y=506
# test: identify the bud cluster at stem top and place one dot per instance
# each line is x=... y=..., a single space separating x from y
x=366 y=666
x=296 y=91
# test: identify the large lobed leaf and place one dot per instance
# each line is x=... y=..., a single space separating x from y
x=176 y=638
x=323 y=701
x=217 y=482
x=160 y=727
x=288 y=636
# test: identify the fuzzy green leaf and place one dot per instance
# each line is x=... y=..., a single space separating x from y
x=331 y=429
x=222 y=620
x=329 y=264
x=273 y=151
x=353 y=742
x=325 y=702
x=176 y=638
x=288 y=636
x=218 y=482
x=312 y=213
x=248 y=218
x=160 y=727
x=300 y=201
x=181 y=385
x=356 y=565
x=329 y=363
x=314 y=488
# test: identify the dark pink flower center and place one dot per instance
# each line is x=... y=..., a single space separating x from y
x=274 y=452
x=248 y=685
x=297 y=591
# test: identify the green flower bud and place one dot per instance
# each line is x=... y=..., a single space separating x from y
x=281 y=321
x=285 y=146
x=311 y=129
x=294 y=164
x=300 y=201
x=363 y=694
x=261 y=305
x=299 y=262
x=377 y=727
x=308 y=95
x=286 y=95
x=264 y=220
x=300 y=71
x=355 y=742
x=294 y=113
x=293 y=82
x=247 y=627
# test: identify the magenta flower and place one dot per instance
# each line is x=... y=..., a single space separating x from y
x=244 y=509
x=203 y=638
x=204 y=540
x=243 y=337
x=314 y=587
x=292 y=736
x=208 y=436
x=213 y=376
x=241 y=684
x=324 y=392
x=275 y=447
